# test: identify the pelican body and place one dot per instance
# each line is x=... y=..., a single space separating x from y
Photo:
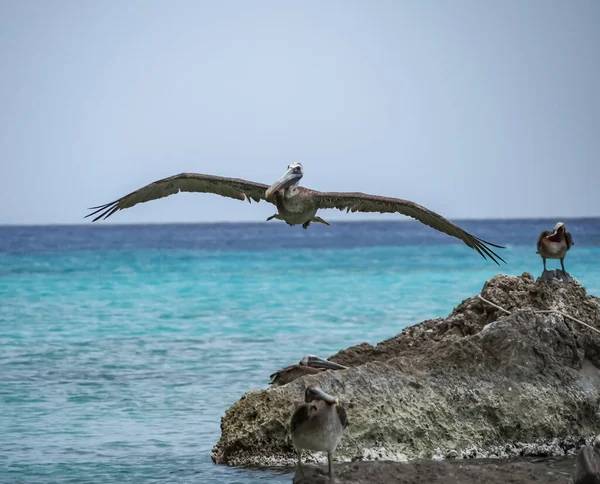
x=554 y=244
x=587 y=464
x=296 y=205
x=308 y=365
x=318 y=424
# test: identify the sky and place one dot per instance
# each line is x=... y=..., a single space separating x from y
x=475 y=109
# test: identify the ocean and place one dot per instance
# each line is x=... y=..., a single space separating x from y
x=121 y=347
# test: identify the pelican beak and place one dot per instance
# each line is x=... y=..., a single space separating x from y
x=317 y=362
x=557 y=227
x=325 y=396
x=290 y=178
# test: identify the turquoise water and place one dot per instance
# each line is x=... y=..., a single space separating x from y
x=122 y=347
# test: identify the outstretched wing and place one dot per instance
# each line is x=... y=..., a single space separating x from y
x=361 y=202
x=184 y=182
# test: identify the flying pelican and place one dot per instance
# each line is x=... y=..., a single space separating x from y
x=295 y=204
x=318 y=424
x=308 y=365
x=554 y=244
x=587 y=464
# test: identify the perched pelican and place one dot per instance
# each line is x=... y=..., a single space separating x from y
x=295 y=204
x=587 y=464
x=318 y=424
x=554 y=244
x=308 y=365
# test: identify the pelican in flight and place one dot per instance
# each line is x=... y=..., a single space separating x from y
x=318 y=424
x=554 y=244
x=308 y=365
x=295 y=205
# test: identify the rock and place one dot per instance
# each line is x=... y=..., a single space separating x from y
x=442 y=472
x=556 y=275
x=479 y=383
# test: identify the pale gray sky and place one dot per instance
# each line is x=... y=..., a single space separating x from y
x=472 y=108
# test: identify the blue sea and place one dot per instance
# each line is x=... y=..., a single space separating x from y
x=121 y=347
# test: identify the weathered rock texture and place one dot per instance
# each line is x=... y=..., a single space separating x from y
x=479 y=383
x=421 y=471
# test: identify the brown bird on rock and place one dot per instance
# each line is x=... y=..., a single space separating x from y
x=318 y=424
x=295 y=205
x=554 y=244
x=308 y=365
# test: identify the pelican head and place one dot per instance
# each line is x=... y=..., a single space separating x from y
x=314 y=392
x=558 y=226
x=291 y=178
x=316 y=362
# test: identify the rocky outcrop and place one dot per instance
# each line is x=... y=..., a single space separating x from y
x=479 y=383
x=443 y=472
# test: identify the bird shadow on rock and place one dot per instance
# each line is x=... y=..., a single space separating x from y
x=556 y=275
x=488 y=471
x=314 y=475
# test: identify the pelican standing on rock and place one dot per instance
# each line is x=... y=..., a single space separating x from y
x=295 y=205
x=308 y=365
x=318 y=424
x=554 y=244
x=587 y=464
